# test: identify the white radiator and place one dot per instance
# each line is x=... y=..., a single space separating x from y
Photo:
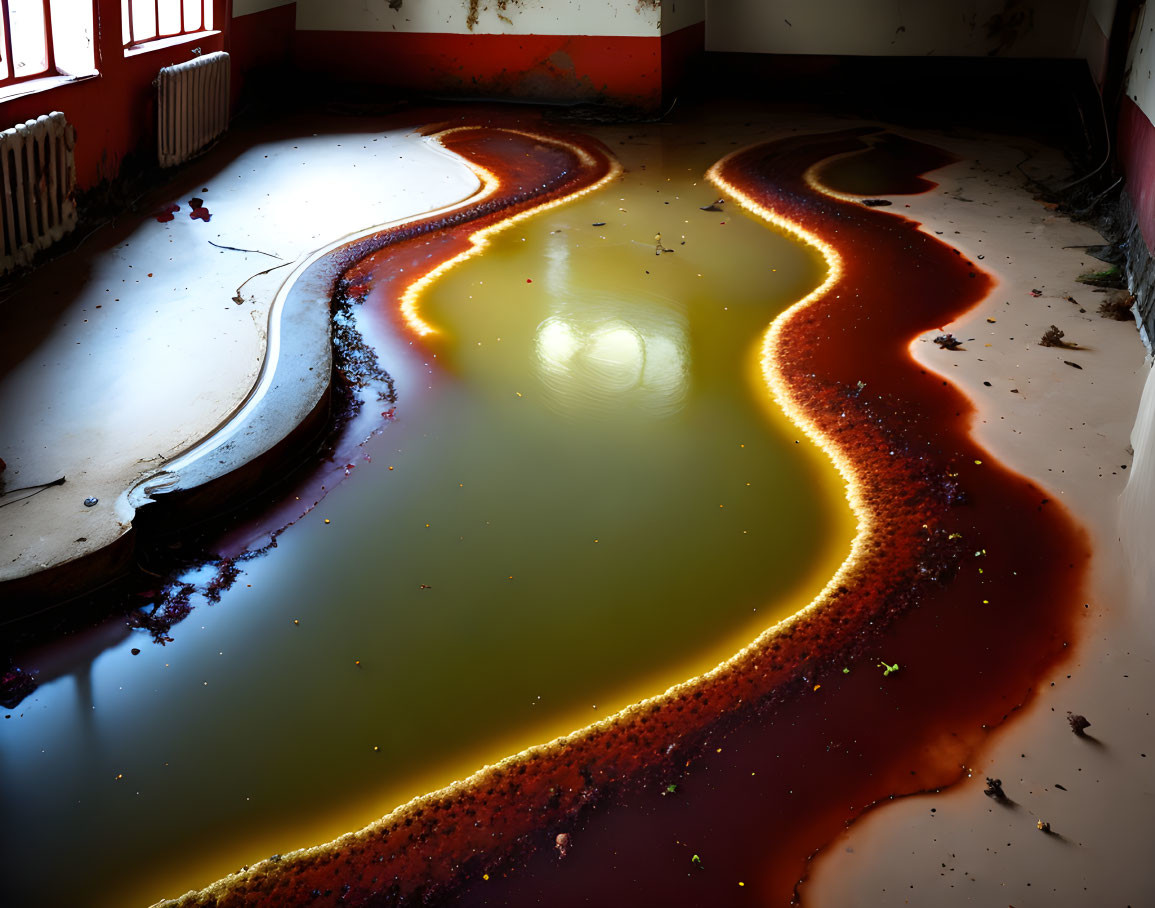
x=39 y=179
x=192 y=106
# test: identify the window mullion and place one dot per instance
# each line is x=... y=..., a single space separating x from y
x=49 y=51
x=8 y=42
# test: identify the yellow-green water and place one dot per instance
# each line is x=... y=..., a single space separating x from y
x=590 y=499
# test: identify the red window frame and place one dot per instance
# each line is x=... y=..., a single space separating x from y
x=133 y=41
x=50 y=59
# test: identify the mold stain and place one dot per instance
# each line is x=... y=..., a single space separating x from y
x=473 y=8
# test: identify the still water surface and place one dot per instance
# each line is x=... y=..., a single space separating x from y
x=584 y=497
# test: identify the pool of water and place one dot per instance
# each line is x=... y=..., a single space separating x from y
x=582 y=495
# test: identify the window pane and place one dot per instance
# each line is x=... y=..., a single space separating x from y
x=143 y=20
x=72 y=45
x=125 y=18
x=28 y=51
x=192 y=15
x=169 y=17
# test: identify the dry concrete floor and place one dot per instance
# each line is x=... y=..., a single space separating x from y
x=119 y=356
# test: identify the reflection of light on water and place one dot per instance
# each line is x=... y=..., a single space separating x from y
x=603 y=360
x=557 y=249
x=615 y=354
x=556 y=344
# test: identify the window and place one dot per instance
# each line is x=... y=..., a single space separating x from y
x=45 y=38
x=142 y=21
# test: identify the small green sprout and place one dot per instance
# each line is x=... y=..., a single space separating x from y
x=696 y=861
x=845 y=671
x=671 y=788
x=887 y=669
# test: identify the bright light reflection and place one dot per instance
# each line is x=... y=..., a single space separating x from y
x=602 y=361
x=615 y=354
x=556 y=344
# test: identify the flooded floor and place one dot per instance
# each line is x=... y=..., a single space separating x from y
x=581 y=496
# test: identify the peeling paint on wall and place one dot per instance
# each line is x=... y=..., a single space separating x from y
x=619 y=18
x=958 y=28
x=471 y=17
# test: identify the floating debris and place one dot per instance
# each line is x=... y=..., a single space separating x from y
x=1109 y=277
x=948 y=342
x=15 y=685
x=1079 y=724
x=877 y=203
x=994 y=789
x=1053 y=337
x=1118 y=308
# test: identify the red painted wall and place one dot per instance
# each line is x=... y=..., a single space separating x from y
x=260 y=41
x=679 y=50
x=1136 y=149
x=627 y=70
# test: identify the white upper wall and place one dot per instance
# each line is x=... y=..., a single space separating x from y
x=945 y=28
x=678 y=14
x=626 y=18
x=1140 y=84
x=1103 y=12
x=1095 y=37
x=244 y=7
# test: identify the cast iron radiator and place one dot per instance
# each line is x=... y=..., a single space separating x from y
x=39 y=174
x=192 y=106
